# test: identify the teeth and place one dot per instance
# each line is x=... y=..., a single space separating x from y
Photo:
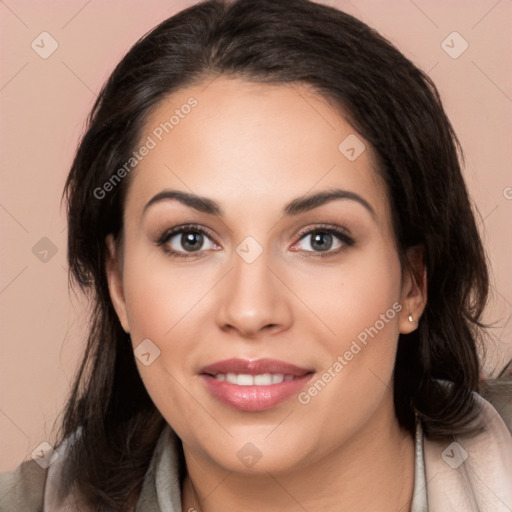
x=244 y=379
x=263 y=380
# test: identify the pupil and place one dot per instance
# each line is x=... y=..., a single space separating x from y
x=321 y=245
x=191 y=241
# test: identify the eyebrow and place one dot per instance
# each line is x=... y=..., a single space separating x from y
x=294 y=207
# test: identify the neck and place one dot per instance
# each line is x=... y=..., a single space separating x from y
x=372 y=471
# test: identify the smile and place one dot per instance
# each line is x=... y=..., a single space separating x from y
x=244 y=379
x=254 y=385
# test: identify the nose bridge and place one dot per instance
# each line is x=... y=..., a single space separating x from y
x=252 y=298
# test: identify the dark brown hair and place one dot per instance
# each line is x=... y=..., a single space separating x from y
x=388 y=101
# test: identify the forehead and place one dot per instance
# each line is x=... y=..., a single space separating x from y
x=238 y=141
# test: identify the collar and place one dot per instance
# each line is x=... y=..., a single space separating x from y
x=161 y=490
x=471 y=473
x=419 y=493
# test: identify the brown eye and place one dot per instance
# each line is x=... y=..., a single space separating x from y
x=184 y=241
x=190 y=241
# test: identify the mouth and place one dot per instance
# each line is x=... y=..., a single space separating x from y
x=245 y=379
x=254 y=385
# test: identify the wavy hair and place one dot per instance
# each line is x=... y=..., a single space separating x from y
x=388 y=101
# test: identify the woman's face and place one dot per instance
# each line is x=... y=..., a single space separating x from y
x=267 y=277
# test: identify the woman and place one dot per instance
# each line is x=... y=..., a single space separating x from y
x=268 y=211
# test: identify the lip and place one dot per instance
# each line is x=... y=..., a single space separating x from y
x=255 y=397
x=254 y=367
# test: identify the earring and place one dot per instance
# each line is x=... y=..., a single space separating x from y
x=411 y=319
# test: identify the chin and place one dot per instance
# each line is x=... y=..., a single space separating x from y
x=257 y=457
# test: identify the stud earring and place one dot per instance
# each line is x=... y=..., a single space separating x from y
x=411 y=319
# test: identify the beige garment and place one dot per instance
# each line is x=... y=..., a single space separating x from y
x=483 y=481
x=470 y=474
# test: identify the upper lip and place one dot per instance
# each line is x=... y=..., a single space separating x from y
x=254 y=367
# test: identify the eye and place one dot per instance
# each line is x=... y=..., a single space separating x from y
x=327 y=239
x=186 y=241
x=190 y=240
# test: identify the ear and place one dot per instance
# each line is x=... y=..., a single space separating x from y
x=115 y=281
x=414 y=289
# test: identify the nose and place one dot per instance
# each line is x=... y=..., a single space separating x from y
x=254 y=300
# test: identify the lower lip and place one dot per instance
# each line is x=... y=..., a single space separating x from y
x=254 y=398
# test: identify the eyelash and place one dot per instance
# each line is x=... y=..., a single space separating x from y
x=195 y=228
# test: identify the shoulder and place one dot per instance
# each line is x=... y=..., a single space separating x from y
x=499 y=393
x=472 y=473
x=22 y=490
x=33 y=485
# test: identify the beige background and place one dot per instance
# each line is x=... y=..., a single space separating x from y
x=43 y=105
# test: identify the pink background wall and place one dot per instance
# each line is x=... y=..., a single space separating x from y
x=44 y=102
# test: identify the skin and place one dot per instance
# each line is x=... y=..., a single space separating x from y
x=253 y=148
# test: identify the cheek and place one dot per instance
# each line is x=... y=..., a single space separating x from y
x=358 y=305
x=161 y=302
x=355 y=297
x=160 y=294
